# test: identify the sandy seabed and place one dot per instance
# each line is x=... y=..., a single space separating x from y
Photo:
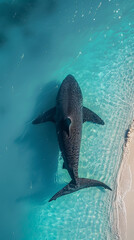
x=124 y=201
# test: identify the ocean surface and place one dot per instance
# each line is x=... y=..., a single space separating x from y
x=41 y=42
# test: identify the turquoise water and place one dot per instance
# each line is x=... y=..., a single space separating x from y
x=40 y=43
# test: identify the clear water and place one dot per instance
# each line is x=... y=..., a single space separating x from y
x=40 y=43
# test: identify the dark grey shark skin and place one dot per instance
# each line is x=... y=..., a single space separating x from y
x=69 y=115
x=69 y=106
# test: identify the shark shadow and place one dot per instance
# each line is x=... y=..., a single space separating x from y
x=43 y=142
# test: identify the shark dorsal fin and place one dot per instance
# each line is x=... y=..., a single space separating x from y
x=66 y=125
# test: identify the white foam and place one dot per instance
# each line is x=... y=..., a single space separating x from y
x=124 y=185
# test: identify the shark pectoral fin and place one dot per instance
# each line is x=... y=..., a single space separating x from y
x=66 y=125
x=45 y=117
x=90 y=116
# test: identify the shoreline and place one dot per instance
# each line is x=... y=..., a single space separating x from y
x=124 y=197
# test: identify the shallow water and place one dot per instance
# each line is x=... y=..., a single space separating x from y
x=40 y=43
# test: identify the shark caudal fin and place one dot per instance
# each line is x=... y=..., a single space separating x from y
x=81 y=183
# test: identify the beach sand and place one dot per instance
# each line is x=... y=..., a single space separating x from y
x=124 y=203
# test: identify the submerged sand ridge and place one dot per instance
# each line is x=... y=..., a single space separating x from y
x=124 y=203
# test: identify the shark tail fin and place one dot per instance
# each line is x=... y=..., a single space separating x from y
x=80 y=184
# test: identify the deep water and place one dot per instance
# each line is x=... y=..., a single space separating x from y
x=40 y=43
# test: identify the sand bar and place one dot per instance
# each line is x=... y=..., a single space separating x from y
x=124 y=203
